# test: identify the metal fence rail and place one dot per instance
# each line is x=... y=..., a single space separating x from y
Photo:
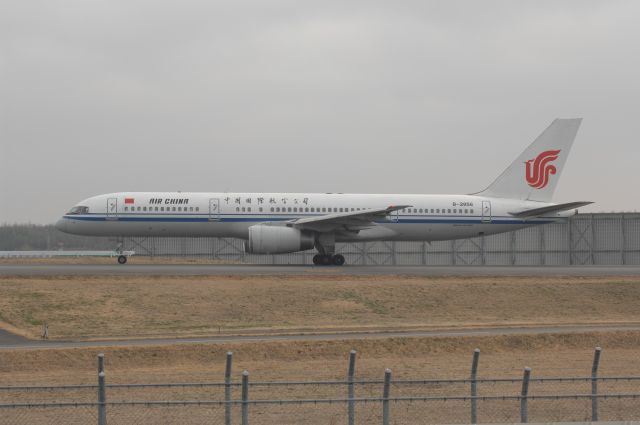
x=387 y=400
x=597 y=239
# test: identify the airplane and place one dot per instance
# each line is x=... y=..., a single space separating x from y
x=276 y=223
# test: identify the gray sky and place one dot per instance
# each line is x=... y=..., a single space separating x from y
x=310 y=96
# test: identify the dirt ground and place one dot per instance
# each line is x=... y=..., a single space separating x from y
x=85 y=307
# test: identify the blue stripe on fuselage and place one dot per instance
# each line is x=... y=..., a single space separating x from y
x=234 y=218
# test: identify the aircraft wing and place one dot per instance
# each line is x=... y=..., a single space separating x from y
x=354 y=220
x=535 y=212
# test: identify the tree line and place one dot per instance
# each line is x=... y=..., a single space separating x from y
x=25 y=237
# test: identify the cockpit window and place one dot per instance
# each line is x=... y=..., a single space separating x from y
x=79 y=210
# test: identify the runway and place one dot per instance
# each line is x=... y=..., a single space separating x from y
x=266 y=270
x=14 y=342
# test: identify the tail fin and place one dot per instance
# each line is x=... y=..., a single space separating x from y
x=535 y=173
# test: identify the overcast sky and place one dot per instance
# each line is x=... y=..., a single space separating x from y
x=310 y=96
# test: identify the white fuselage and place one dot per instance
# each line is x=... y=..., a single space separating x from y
x=430 y=217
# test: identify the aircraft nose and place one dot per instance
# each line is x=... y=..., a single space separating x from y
x=61 y=225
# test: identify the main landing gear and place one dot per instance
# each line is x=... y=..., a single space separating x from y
x=327 y=260
x=122 y=259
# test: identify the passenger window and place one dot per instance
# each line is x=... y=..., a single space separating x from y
x=190 y=208
x=471 y=211
x=431 y=210
x=454 y=211
x=278 y=209
x=324 y=209
x=156 y=208
x=260 y=209
x=449 y=211
x=126 y=208
x=306 y=209
x=179 y=208
x=466 y=211
x=139 y=209
x=289 y=209
x=272 y=209
x=243 y=209
x=237 y=209
x=197 y=208
x=248 y=209
x=295 y=209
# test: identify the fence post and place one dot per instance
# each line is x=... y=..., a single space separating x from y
x=350 y=391
x=227 y=389
x=102 y=399
x=474 y=386
x=245 y=398
x=385 y=397
x=100 y=362
x=594 y=384
x=524 y=414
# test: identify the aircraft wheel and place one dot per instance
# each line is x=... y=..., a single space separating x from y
x=122 y=259
x=338 y=260
x=318 y=259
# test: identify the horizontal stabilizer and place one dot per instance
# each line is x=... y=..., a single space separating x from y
x=535 y=212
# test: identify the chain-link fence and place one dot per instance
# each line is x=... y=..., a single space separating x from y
x=525 y=398
x=602 y=239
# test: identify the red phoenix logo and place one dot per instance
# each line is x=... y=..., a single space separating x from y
x=539 y=169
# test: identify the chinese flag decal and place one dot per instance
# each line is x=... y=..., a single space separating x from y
x=128 y=200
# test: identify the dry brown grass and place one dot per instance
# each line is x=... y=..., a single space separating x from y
x=439 y=357
x=134 y=306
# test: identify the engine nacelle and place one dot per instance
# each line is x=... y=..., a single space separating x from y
x=265 y=239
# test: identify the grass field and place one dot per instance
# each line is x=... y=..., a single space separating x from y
x=130 y=306
x=441 y=357
x=154 y=306
x=409 y=358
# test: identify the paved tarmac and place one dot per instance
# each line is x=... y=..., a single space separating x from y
x=254 y=269
x=22 y=343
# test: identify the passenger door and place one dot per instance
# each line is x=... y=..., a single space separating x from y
x=486 y=211
x=112 y=207
x=214 y=209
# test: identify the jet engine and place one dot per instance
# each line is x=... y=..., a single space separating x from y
x=265 y=239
